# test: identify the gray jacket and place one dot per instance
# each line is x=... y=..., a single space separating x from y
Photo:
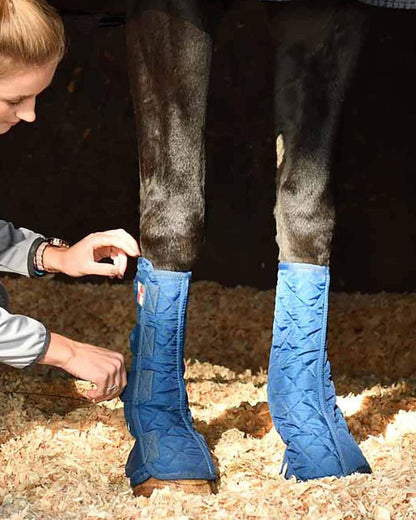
x=23 y=340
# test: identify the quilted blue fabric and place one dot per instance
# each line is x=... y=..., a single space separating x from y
x=301 y=393
x=155 y=401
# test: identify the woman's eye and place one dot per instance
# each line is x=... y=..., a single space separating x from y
x=14 y=103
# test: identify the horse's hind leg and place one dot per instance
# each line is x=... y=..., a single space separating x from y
x=317 y=50
x=169 y=54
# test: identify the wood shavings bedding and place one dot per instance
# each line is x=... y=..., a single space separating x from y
x=63 y=458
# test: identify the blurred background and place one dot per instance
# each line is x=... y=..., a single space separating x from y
x=75 y=170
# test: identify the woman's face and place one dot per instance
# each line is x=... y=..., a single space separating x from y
x=18 y=91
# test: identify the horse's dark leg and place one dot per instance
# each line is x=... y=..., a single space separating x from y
x=317 y=46
x=168 y=54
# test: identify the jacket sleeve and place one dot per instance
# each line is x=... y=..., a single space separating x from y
x=17 y=248
x=23 y=340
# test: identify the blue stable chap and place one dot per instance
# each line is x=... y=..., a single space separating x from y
x=301 y=393
x=155 y=401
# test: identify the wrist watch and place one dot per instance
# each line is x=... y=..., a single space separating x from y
x=40 y=250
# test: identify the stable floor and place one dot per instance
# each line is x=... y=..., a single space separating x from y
x=62 y=458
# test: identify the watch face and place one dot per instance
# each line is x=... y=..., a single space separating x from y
x=57 y=242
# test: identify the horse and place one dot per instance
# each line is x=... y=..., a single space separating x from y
x=315 y=45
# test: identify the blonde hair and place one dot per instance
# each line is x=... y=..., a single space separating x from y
x=31 y=34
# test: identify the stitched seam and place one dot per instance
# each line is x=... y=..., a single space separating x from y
x=321 y=389
x=180 y=379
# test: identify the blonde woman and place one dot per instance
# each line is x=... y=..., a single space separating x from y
x=32 y=43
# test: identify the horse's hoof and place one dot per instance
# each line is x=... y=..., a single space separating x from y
x=196 y=487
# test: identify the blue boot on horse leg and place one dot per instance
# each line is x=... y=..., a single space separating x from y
x=301 y=394
x=170 y=121
x=156 y=406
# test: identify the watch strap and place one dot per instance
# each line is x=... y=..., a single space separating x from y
x=40 y=250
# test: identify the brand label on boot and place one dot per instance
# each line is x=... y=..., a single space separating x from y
x=141 y=292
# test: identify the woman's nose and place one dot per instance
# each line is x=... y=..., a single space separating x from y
x=26 y=110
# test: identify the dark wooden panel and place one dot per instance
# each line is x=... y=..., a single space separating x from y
x=75 y=170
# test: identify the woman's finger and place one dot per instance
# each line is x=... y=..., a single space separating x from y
x=101 y=269
x=120 y=261
x=107 y=391
x=116 y=260
x=116 y=238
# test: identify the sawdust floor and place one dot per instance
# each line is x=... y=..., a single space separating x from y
x=63 y=458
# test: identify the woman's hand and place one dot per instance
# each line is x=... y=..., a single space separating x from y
x=105 y=368
x=84 y=256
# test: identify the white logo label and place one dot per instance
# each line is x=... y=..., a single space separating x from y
x=141 y=293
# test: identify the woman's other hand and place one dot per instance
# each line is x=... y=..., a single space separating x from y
x=105 y=368
x=84 y=257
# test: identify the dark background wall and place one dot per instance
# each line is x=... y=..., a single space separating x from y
x=74 y=171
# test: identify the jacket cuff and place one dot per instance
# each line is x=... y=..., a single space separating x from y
x=33 y=273
x=45 y=347
x=23 y=340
